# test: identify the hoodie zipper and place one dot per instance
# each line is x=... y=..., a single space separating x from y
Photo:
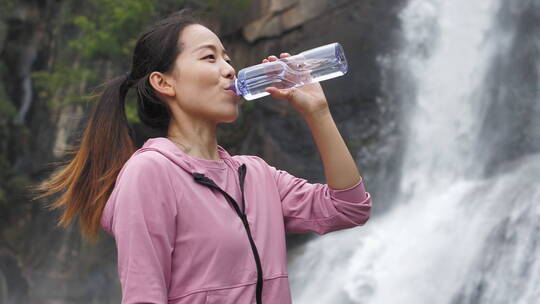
x=202 y=179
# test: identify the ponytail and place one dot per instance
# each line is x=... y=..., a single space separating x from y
x=89 y=177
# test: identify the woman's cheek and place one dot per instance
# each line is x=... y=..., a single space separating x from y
x=209 y=74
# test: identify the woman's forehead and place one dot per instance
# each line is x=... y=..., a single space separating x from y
x=197 y=37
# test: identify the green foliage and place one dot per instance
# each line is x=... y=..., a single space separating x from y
x=131 y=109
x=109 y=32
x=7 y=7
x=57 y=87
x=11 y=185
x=7 y=108
x=106 y=32
x=248 y=106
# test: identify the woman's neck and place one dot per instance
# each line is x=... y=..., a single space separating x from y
x=197 y=140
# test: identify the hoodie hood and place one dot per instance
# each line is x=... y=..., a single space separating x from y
x=190 y=164
x=187 y=162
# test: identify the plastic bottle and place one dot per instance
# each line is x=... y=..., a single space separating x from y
x=314 y=65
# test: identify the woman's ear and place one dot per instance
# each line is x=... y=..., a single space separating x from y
x=162 y=83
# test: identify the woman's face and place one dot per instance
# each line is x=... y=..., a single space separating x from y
x=201 y=74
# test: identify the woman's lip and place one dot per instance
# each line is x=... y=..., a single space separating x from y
x=230 y=92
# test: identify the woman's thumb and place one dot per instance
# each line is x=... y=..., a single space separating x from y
x=280 y=93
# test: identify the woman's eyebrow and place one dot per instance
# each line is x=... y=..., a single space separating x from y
x=211 y=46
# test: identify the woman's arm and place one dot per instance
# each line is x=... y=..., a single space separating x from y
x=144 y=228
x=339 y=166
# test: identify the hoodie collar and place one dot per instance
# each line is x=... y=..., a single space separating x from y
x=187 y=162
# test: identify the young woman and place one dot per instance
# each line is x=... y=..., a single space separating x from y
x=193 y=224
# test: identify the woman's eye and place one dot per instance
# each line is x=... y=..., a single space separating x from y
x=212 y=57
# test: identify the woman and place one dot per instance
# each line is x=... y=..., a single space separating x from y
x=193 y=224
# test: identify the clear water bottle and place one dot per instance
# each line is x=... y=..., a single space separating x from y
x=318 y=64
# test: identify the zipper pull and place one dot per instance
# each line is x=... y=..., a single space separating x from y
x=201 y=178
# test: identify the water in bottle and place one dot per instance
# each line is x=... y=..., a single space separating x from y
x=318 y=64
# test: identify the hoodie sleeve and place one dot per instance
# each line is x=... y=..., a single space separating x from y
x=144 y=227
x=315 y=207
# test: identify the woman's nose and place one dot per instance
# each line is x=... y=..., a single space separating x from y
x=229 y=71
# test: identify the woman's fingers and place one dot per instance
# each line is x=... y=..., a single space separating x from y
x=277 y=93
x=284 y=94
x=274 y=58
x=269 y=59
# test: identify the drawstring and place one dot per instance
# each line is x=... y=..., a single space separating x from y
x=201 y=179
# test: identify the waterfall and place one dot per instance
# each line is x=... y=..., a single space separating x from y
x=464 y=226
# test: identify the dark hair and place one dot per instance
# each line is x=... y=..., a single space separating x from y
x=108 y=141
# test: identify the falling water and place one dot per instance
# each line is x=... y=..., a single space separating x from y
x=465 y=225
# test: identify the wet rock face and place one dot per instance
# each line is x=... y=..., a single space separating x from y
x=13 y=287
x=286 y=15
x=36 y=258
x=510 y=122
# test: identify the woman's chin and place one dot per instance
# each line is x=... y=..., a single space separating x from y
x=230 y=117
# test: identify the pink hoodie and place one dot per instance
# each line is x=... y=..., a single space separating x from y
x=185 y=233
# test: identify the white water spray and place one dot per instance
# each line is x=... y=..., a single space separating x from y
x=454 y=236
